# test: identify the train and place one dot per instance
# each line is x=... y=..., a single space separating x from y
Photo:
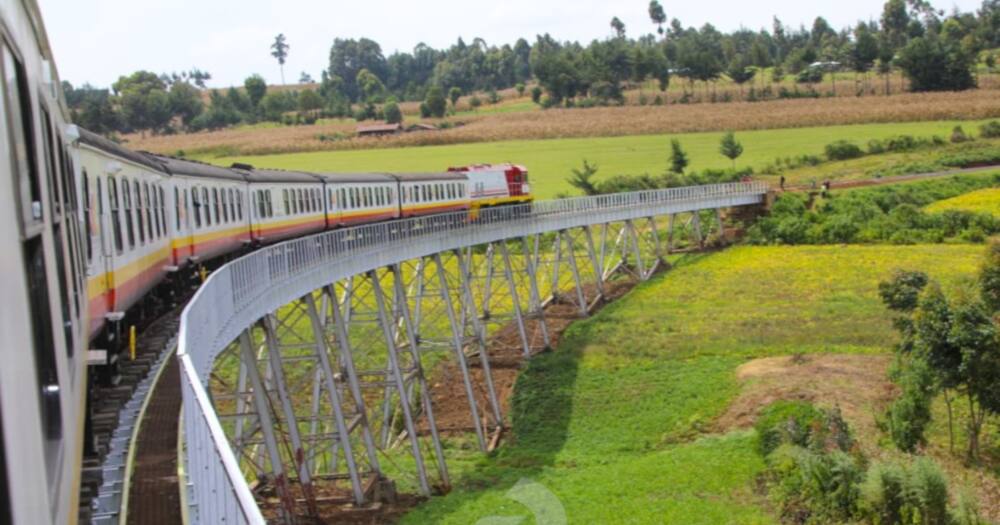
x=95 y=236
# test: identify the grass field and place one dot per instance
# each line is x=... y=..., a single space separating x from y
x=550 y=161
x=986 y=201
x=616 y=423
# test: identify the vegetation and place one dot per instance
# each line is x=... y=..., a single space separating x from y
x=883 y=214
x=980 y=201
x=617 y=421
x=956 y=341
x=934 y=51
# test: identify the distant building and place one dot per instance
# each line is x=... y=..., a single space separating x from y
x=377 y=130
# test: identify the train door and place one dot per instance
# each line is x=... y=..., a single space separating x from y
x=110 y=232
x=185 y=233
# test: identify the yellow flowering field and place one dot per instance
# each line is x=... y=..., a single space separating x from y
x=987 y=200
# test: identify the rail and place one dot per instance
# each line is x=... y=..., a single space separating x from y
x=245 y=290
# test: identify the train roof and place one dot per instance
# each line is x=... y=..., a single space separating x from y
x=193 y=168
x=272 y=175
x=342 y=178
x=423 y=177
x=107 y=146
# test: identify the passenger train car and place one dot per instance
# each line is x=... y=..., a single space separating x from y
x=43 y=311
x=93 y=234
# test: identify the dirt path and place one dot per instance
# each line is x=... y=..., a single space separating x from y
x=844 y=185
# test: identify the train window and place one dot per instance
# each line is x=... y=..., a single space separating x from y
x=127 y=209
x=216 y=206
x=232 y=205
x=23 y=140
x=224 y=201
x=284 y=196
x=98 y=196
x=148 y=203
x=157 y=209
x=206 y=206
x=270 y=204
x=88 y=220
x=302 y=200
x=239 y=204
x=64 y=298
x=116 y=224
x=43 y=341
x=195 y=197
x=177 y=209
x=140 y=209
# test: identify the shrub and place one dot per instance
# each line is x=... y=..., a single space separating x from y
x=536 y=95
x=785 y=422
x=917 y=493
x=990 y=130
x=973 y=158
x=958 y=135
x=843 y=150
x=910 y=413
x=811 y=487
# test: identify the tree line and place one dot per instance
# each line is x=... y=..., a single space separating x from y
x=934 y=50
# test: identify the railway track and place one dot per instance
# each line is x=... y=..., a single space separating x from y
x=116 y=409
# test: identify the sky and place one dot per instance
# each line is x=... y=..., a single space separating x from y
x=96 y=41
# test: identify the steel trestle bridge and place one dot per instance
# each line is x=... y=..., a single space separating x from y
x=302 y=362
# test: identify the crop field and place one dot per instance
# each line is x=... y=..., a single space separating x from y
x=487 y=126
x=619 y=423
x=982 y=201
x=550 y=161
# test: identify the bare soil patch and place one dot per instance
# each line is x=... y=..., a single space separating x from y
x=857 y=384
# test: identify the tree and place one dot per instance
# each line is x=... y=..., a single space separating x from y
x=581 y=179
x=865 y=50
x=309 y=100
x=436 y=103
x=730 y=147
x=392 y=113
x=657 y=15
x=349 y=57
x=305 y=78
x=739 y=71
x=618 y=26
x=279 y=50
x=144 y=102
x=371 y=88
x=520 y=87
x=932 y=63
x=185 y=102
x=454 y=94
x=536 y=94
x=475 y=102
x=256 y=88
x=678 y=158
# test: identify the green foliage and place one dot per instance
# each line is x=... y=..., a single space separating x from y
x=910 y=413
x=933 y=63
x=882 y=214
x=256 y=88
x=436 y=103
x=582 y=178
x=391 y=112
x=309 y=100
x=475 y=102
x=536 y=94
x=958 y=135
x=678 y=157
x=814 y=487
x=144 y=102
x=972 y=158
x=520 y=89
x=902 y=292
x=730 y=148
x=786 y=422
x=989 y=277
x=990 y=130
x=454 y=94
x=843 y=150
x=279 y=50
x=915 y=493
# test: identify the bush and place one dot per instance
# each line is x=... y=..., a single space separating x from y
x=392 y=113
x=958 y=135
x=917 y=493
x=843 y=150
x=786 y=422
x=910 y=413
x=973 y=158
x=536 y=94
x=812 y=487
x=990 y=130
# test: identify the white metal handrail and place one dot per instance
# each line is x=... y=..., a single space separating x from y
x=245 y=290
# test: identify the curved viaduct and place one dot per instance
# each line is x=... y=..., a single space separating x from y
x=301 y=362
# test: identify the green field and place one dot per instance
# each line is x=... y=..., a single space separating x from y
x=550 y=161
x=616 y=422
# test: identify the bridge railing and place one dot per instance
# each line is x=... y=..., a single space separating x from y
x=241 y=292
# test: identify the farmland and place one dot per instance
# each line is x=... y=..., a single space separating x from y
x=550 y=161
x=985 y=201
x=620 y=423
x=486 y=127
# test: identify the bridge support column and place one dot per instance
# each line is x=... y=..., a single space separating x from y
x=535 y=308
x=595 y=263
